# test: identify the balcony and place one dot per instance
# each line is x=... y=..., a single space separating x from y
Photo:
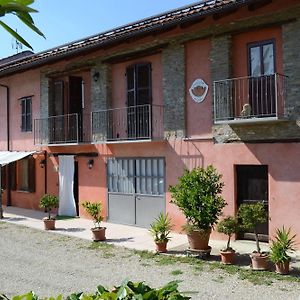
x=134 y=123
x=250 y=99
x=63 y=129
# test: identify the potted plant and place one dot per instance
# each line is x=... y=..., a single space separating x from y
x=161 y=229
x=197 y=194
x=283 y=243
x=94 y=210
x=228 y=226
x=48 y=202
x=252 y=215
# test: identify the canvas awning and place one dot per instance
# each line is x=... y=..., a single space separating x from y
x=7 y=157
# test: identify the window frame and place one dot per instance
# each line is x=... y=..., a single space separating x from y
x=26 y=116
x=30 y=172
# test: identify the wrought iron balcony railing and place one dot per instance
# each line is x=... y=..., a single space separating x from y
x=250 y=99
x=141 y=122
x=63 y=129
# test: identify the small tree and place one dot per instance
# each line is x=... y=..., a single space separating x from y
x=251 y=216
x=228 y=226
x=197 y=194
x=48 y=202
x=94 y=210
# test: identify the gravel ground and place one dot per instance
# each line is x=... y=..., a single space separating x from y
x=51 y=264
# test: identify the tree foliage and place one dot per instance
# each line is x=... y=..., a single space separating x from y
x=22 y=10
x=198 y=195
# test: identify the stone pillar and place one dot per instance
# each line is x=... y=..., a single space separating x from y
x=100 y=98
x=173 y=61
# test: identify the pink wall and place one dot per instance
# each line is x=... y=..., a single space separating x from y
x=198 y=115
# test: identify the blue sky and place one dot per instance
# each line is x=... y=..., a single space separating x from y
x=63 y=21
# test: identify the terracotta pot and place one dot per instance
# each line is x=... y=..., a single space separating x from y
x=161 y=247
x=227 y=257
x=259 y=261
x=198 y=239
x=49 y=224
x=98 y=234
x=283 y=268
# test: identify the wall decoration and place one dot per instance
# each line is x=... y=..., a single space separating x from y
x=198 y=90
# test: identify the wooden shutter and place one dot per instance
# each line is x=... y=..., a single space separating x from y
x=56 y=99
x=3 y=177
x=31 y=174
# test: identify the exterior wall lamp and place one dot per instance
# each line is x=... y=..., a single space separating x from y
x=42 y=163
x=90 y=163
x=96 y=76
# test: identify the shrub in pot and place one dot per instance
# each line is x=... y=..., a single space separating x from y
x=94 y=210
x=198 y=195
x=228 y=226
x=160 y=230
x=284 y=242
x=252 y=215
x=48 y=202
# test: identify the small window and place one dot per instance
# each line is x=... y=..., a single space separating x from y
x=26 y=114
x=26 y=175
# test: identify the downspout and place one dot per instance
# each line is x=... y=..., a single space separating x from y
x=8 y=179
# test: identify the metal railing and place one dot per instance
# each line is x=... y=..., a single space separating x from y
x=141 y=122
x=63 y=129
x=250 y=98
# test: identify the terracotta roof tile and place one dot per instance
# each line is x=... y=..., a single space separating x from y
x=149 y=24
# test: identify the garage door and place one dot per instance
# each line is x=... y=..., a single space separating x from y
x=136 y=190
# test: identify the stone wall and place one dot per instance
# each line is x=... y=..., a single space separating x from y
x=173 y=61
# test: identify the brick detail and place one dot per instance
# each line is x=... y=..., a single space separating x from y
x=100 y=97
x=44 y=97
x=173 y=61
x=291 y=67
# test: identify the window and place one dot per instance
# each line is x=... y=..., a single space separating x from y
x=25 y=175
x=26 y=115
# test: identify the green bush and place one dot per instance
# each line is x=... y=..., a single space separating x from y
x=283 y=243
x=252 y=215
x=197 y=194
x=161 y=228
x=228 y=226
x=48 y=202
x=94 y=210
x=127 y=291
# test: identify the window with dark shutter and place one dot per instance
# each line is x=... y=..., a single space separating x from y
x=26 y=114
x=12 y=167
x=3 y=177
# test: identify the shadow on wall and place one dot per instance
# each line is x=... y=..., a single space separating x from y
x=282 y=159
x=186 y=155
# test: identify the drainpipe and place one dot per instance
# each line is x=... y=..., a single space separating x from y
x=8 y=182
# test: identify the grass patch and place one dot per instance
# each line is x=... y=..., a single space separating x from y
x=100 y=245
x=176 y=272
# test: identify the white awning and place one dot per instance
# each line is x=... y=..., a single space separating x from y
x=7 y=157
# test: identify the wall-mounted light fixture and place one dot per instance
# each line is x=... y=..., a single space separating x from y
x=90 y=163
x=42 y=163
x=96 y=76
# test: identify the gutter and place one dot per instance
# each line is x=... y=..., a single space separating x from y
x=8 y=185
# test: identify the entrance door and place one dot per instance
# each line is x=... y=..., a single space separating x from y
x=262 y=79
x=136 y=190
x=252 y=186
x=138 y=101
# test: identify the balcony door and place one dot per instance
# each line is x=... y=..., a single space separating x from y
x=75 y=108
x=261 y=58
x=138 y=101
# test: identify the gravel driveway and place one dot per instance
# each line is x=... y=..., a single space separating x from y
x=52 y=264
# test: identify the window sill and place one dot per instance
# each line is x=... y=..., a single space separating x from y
x=23 y=191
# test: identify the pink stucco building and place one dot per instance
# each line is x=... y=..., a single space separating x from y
x=126 y=111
